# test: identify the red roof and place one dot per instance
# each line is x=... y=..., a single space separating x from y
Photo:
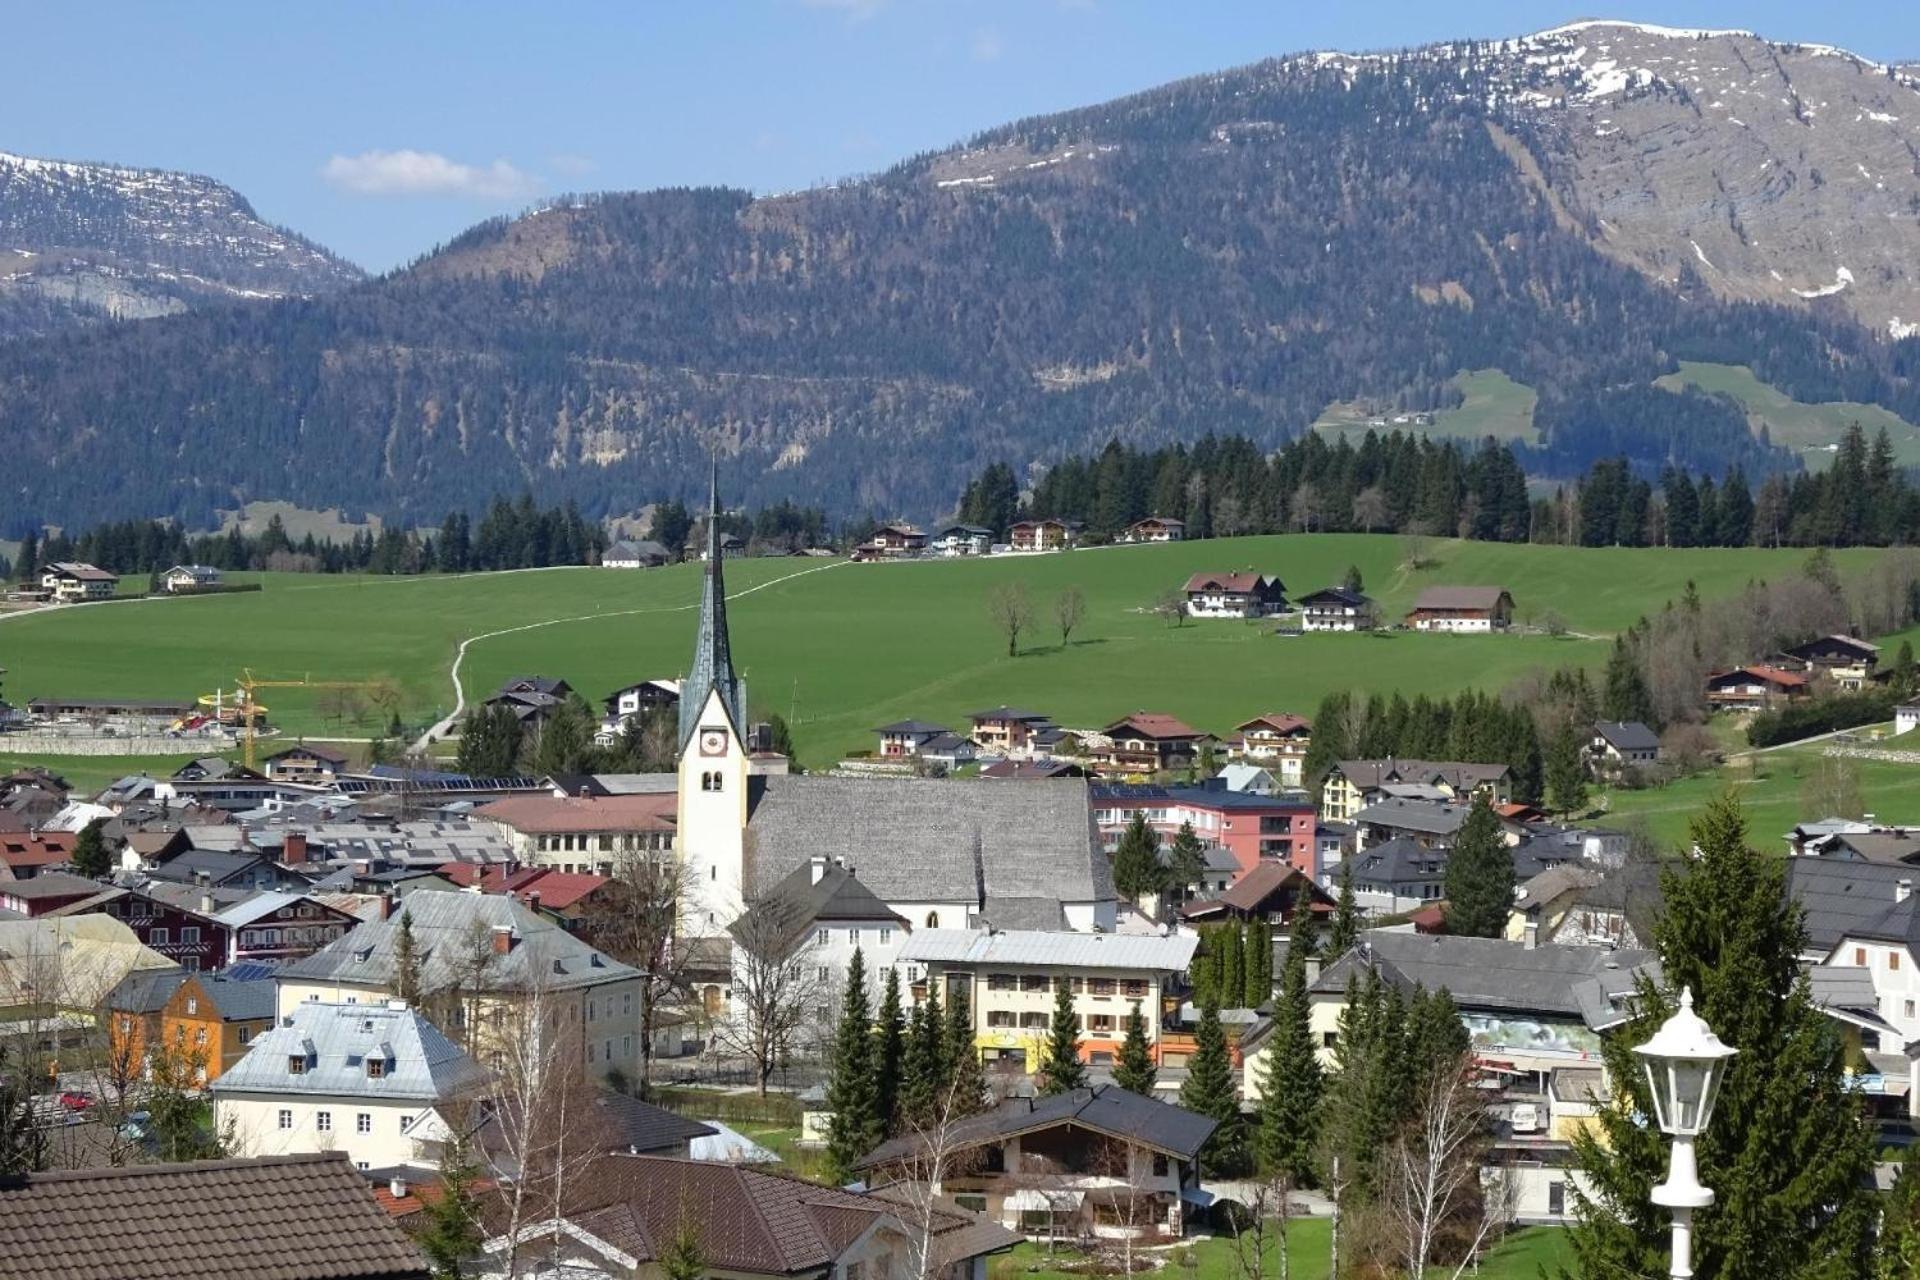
x=556 y=889
x=1236 y=582
x=1151 y=724
x=1773 y=675
x=45 y=849
x=1278 y=721
x=546 y=815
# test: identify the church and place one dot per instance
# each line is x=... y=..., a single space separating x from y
x=940 y=854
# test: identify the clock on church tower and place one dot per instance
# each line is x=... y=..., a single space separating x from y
x=713 y=741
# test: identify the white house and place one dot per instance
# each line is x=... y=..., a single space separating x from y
x=1235 y=595
x=822 y=912
x=1906 y=718
x=343 y=1077
x=635 y=554
x=1337 y=609
x=184 y=579
x=1462 y=609
x=72 y=580
x=962 y=540
x=1155 y=529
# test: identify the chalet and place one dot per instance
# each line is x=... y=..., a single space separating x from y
x=532 y=699
x=1044 y=535
x=209 y=768
x=1352 y=785
x=1155 y=529
x=296 y=1218
x=67 y=581
x=1462 y=609
x=274 y=926
x=903 y=739
x=635 y=554
x=1542 y=902
x=892 y=542
x=1400 y=875
x=1277 y=740
x=46 y=893
x=1234 y=595
x=307 y=762
x=1755 y=688
x=1433 y=823
x=1011 y=977
x=1253 y=828
x=239 y=869
x=1007 y=730
x=642 y=697
x=1846 y=660
x=1270 y=892
x=185 y=579
x=962 y=540
x=731 y=547
x=1147 y=743
x=747 y=1224
x=1618 y=745
x=1337 y=609
x=1089 y=1163
x=184 y=932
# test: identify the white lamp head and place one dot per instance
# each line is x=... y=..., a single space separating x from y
x=1685 y=1063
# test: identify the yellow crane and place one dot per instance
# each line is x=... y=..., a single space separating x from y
x=249 y=718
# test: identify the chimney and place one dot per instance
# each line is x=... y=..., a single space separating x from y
x=1903 y=891
x=206 y=901
x=502 y=939
x=818 y=864
x=533 y=900
x=397 y=1186
x=386 y=906
x=293 y=851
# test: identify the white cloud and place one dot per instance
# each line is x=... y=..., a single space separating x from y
x=987 y=45
x=427 y=173
x=571 y=164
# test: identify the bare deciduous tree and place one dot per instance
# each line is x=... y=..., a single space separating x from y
x=933 y=1154
x=776 y=987
x=1171 y=607
x=1431 y=1174
x=1370 y=509
x=1269 y=1216
x=642 y=921
x=1069 y=609
x=1010 y=612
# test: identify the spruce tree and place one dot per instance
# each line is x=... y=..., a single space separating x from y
x=852 y=1091
x=1186 y=861
x=1210 y=1090
x=889 y=1050
x=1626 y=696
x=1566 y=771
x=1204 y=974
x=682 y=1259
x=1233 y=972
x=450 y=1233
x=1256 y=942
x=1788 y=1155
x=1136 y=861
x=1345 y=931
x=406 y=962
x=1134 y=1071
x=1303 y=931
x=911 y=1104
x=1479 y=876
x=1435 y=1034
x=1290 y=1092
x=966 y=1076
x=90 y=856
x=1063 y=1070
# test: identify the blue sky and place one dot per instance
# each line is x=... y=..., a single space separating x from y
x=383 y=129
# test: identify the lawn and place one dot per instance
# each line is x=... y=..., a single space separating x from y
x=1805 y=428
x=1524 y=1255
x=839 y=648
x=1492 y=404
x=1774 y=791
x=89 y=774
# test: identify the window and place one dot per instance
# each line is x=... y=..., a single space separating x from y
x=296 y=1064
x=1909 y=1012
x=1159 y=1165
x=191 y=964
x=933 y=919
x=190 y=933
x=1100 y=1022
x=1000 y=982
x=243 y=1034
x=200 y=1035
x=820 y=937
x=193 y=1004
x=853 y=937
x=323 y=1121
x=376 y=1068
x=1033 y=1020
x=1034 y=982
x=590 y=1051
x=286 y=1118
x=1136 y=987
x=1893 y=959
x=1860 y=956
x=999 y=1018
x=886 y=936
x=405 y=1120
x=1100 y=986
x=158 y=937
x=363 y=1123
x=1327 y=1038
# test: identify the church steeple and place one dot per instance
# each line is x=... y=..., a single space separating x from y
x=712 y=671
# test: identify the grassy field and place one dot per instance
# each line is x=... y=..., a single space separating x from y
x=1525 y=1255
x=1805 y=428
x=840 y=648
x=91 y=773
x=1494 y=405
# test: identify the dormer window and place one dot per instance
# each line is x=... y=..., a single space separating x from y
x=376 y=1068
x=296 y=1064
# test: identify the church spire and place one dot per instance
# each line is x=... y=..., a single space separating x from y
x=712 y=670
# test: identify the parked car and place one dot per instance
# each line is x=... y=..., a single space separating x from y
x=75 y=1099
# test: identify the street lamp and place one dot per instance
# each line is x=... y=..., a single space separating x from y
x=1685 y=1063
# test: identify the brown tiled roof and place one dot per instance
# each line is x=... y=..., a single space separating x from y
x=1459 y=598
x=1235 y=582
x=1278 y=721
x=276 y=1218
x=546 y=815
x=1153 y=724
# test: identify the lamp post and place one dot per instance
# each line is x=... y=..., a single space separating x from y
x=1685 y=1063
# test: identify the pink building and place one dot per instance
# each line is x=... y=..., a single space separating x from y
x=1252 y=828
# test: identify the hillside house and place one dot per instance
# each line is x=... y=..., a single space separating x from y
x=1099 y=1162
x=1277 y=741
x=26 y=854
x=1007 y=730
x=307 y=762
x=1432 y=823
x=1254 y=828
x=343 y=1077
x=1155 y=529
x=1269 y=891
x=962 y=540
x=1337 y=609
x=1755 y=688
x=185 y=579
x=46 y=893
x=1616 y=746
x=1044 y=535
x=1352 y=785
x=893 y=542
x=1146 y=743
x=903 y=739
x=1848 y=661
x=275 y=926
x=631 y=553
x=1397 y=876
x=1462 y=609
x=1010 y=979
x=1906 y=718
x=532 y=699
x=67 y=581
x=1234 y=595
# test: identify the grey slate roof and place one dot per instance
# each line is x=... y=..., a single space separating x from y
x=240 y=1000
x=1400 y=861
x=1105 y=1108
x=1460 y=775
x=1429 y=817
x=1489 y=974
x=1844 y=897
x=445 y=925
x=927 y=840
x=335 y=1040
x=1024 y=913
x=799 y=901
x=145 y=990
x=1060 y=949
x=1628 y=735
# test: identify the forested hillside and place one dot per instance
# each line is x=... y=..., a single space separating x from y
x=1225 y=255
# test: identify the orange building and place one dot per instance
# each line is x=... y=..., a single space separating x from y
x=211 y=1021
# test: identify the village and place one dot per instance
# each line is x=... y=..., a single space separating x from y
x=1004 y=979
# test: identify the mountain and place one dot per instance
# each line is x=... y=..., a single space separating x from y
x=1231 y=253
x=81 y=243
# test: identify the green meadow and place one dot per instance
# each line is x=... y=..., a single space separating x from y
x=839 y=648
x=1808 y=429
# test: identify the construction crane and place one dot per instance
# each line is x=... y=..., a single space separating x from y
x=250 y=716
